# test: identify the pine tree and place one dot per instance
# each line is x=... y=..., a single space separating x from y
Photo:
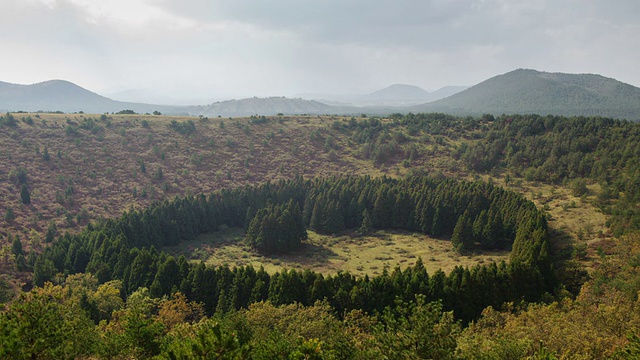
x=9 y=215
x=365 y=228
x=478 y=226
x=462 y=238
x=25 y=196
x=16 y=246
x=45 y=154
x=317 y=220
x=223 y=304
x=274 y=229
x=334 y=222
x=436 y=224
x=51 y=232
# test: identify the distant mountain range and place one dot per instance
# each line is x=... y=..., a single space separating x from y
x=396 y=95
x=531 y=91
x=519 y=91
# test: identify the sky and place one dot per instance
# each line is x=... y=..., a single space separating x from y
x=205 y=50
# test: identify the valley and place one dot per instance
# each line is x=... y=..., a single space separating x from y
x=178 y=190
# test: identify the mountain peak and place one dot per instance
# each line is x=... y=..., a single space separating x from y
x=399 y=92
x=531 y=91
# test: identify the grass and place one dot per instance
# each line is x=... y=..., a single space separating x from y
x=573 y=221
x=359 y=255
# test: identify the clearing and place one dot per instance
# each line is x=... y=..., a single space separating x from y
x=359 y=255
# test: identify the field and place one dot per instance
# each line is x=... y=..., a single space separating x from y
x=359 y=255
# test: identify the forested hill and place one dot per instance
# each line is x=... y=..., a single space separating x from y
x=533 y=92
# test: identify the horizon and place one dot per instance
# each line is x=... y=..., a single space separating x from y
x=168 y=100
x=215 y=49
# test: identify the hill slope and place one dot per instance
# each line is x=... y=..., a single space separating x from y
x=393 y=97
x=531 y=91
x=399 y=92
x=61 y=95
x=264 y=106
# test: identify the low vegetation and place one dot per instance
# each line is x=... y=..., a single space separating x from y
x=328 y=254
x=192 y=230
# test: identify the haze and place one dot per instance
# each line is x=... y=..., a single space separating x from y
x=201 y=50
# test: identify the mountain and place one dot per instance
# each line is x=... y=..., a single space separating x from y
x=446 y=92
x=60 y=95
x=154 y=97
x=531 y=91
x=399 y=92
x=265 y=106
x=394 y=96
x=519 y=91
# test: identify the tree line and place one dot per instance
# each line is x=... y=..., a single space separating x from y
x=126 y=249
x=556 y=149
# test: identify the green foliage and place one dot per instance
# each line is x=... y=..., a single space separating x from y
x=210 y=341
x=52 y=230
x=18 y=176
x=16 y=246
x=555 y=149
x=167 y=278
x=632 y=349
x=25 y=195
x=45 y=154
x=525 y=91
x=462 y=238
x=9 y=215
x=418 y=330
x=6 y=292
x=8 y=120
x=158 y=175
x=366 y=226
x=187 y=127
x=277 y=229
x=578 y=187
x=40 y=326
x=126 y=249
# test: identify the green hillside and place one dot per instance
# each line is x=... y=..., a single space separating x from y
x=534 y=92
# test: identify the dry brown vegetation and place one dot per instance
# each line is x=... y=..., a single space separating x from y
x=103 y=169
x=101 y=165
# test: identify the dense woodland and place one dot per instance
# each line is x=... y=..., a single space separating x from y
x=559 y=150
x=110 y=291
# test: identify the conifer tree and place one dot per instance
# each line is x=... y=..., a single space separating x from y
x=45 y=154
x=16 y=246
x=25 y=196
x=436 y=224
x=462 y=238
x=365 y=228
x=479 y=225
x=9 y=215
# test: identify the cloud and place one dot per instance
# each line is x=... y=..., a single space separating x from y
x=233 y=48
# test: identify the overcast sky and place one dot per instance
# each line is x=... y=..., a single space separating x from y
x=217 y=49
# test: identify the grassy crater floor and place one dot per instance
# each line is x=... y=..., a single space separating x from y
x=358 y=255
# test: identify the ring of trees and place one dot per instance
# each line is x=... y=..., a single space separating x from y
x=276 y=216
